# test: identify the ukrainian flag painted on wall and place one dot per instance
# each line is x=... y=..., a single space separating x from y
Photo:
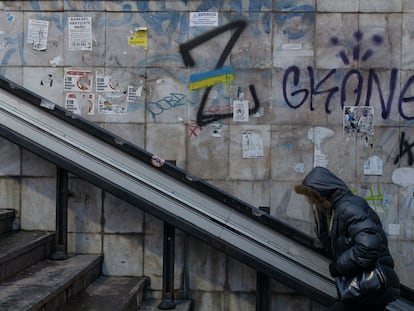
x=206 y=79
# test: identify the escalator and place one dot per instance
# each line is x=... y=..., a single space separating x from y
x=169 y=193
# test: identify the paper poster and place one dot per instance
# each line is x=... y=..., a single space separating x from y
x=79 y=103
x=37 y=34
x=241 y=110
x=139 y=38
x=134 y=92
x=78 y=81
x=106 y=84
x=203 y=19
x=252 y=145
x=111 y=104
x=373 y=166
x=80 y=33
x=358 y=121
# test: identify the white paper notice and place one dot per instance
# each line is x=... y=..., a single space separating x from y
x=37 y=34
x=111 y=104
x=80 y=33
x=78 y=81
x=241 y=110
x=203 y=19
x=373 y=166
x=252 y=145
x=79 y=103
x=106 y=84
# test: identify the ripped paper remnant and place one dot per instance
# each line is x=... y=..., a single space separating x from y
x=252 y=145
x=139 y=38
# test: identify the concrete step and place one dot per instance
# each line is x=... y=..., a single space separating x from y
x=152 y=305
x=109 y=294
x=6 y=220
x=19 y=250
x=49 y=284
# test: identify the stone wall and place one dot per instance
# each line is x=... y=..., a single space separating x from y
x=118 y=63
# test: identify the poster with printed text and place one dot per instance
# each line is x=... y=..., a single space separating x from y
x=80 y=33
x=78 y=81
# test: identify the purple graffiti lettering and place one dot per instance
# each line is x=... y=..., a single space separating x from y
x=296 y=75
x=373 y=77
x=404 y=99
x=315 y=88
x=357 y=90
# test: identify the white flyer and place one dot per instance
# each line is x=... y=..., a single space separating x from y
x=79 y=103
x=37 y=34
x=78 y=81
x=241 y=110
x=105 y=83
x=80 y=33
x=112 y=104
x=203 y=19
x=252 y=145
x=373 y=166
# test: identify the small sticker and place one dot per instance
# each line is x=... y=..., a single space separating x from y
x=157 y=161
x=241 y=110
x=203 y=19
x=139 y=38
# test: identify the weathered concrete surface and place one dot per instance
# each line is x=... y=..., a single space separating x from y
x=49 y=284
x=110 y=293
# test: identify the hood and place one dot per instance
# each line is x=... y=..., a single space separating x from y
x=324 y=181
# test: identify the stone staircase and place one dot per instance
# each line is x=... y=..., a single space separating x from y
x=29 y=280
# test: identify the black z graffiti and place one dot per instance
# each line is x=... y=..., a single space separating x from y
x=185 y=48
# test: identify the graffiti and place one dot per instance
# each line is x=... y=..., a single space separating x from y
x=297 y=21
x=374 y=198
x=240 y=25
x=166 y=103
x=295 y=96
x=356 y=49
x=202 y=80
x=194 y=128
x=405 y=148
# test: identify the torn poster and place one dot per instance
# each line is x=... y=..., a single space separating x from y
x=373 y=166
x=105 y=83
x=78 y=81
x=134 y=92
x=37 y=34
x=80 y=33
x=252 y=145
x=358 y=121
x=111 y=104
x=317 y=135
x=79 y=103
x=139 y=37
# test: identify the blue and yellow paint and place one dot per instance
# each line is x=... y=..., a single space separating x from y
x=202 y=80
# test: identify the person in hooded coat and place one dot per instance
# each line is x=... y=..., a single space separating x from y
x=352 y=236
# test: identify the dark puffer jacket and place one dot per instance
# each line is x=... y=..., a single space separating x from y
x=357 y=239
